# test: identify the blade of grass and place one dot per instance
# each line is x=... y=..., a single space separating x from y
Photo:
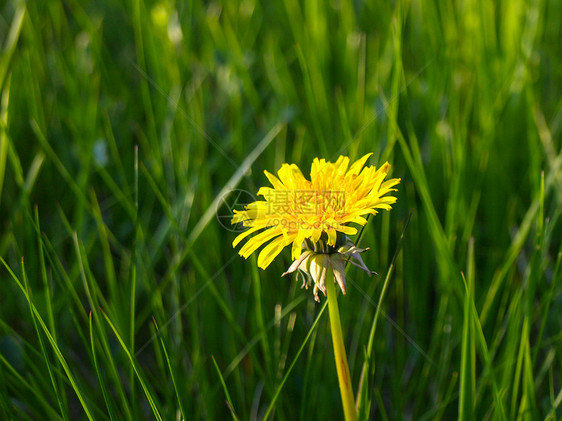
x=228 y=399
x=149 y=395
x=446 y=262
x=20 y=380
x=527 y=408
x=134 y=263
x=4 y=101
x=256 y=282
x=519 y=241
x=222 y=195
x=102 y=333
x=103 y=233
x=467 y=385
x=63 y=408
x=556 y=278
x=106 y=398
x=53 y=343
x=183 y=412
x=289 y=370
x=233 y=182
x=11 y=42
x=366 y=379
x=252 y=342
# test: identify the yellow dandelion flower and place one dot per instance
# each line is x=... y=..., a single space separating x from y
x=314 y=214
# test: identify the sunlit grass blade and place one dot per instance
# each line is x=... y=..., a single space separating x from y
x=108 y=261
x=367 y=372
x=467 y=385
x=228 y=399
x=556 y=279
x=60 y=400
x=11 y=41
x=233 y=181
x=284 y=346
x=527 y=408
x=256 y=283
x=290 y=368
x=183 y=412
x=53 y=344
x=488 y=372
x=135 y=261
x=259 y=336
x=148 y=394
x=106 y=397
x=4 y=101
x=446 y=262
x=67 y=283
x=519 y=240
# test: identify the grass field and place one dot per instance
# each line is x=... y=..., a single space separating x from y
x=128 y=130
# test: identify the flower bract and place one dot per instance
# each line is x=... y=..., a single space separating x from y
x=314 y=266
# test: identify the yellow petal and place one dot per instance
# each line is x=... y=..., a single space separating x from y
x=266 y=192
x=390 y=183
x=243 y=235
x=332 y=236
x=341 y=165
x=356 y=219
x=255 y=210
x=291 y=177
x=385 y=201
x=316 y=167
x=316 y=234
x=297 y=244
x=270 y=252
x=274 y=181
x=357 y=165
x=255 y=242
x=239 y=216
x=347 y=230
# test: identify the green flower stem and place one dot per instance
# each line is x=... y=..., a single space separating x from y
x=344 y=379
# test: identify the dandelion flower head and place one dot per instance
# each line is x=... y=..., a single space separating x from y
x=310 y=213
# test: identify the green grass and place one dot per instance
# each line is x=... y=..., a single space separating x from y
x=124 y=126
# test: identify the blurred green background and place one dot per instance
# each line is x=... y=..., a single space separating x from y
x=124 y=126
